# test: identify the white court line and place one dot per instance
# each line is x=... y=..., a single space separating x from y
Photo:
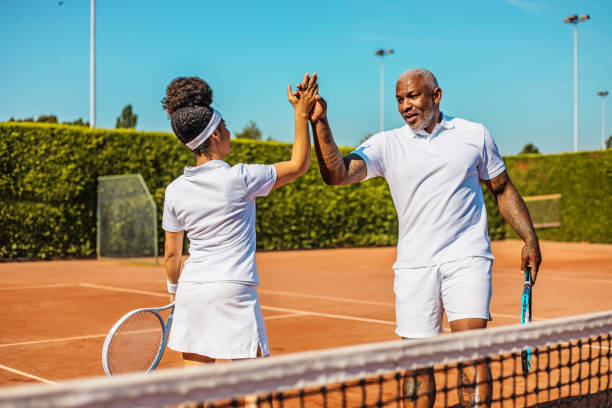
x=493 y=314
x=333 y=316
x=91 y=336
x=285 y=315
x=548 y=276
x=278 y=292
x=116 y=289
x=27 y=343
x=12 y=370
x=53 y=285
x=337 y=299
x=359 y=301
x=581 y=279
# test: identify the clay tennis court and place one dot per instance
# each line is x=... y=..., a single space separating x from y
x=57 y=313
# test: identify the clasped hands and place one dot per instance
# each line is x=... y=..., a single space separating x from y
x=307 y=95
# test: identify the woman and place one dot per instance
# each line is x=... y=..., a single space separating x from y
x=217 y=313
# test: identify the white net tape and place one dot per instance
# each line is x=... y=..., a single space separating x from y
x=300 y=370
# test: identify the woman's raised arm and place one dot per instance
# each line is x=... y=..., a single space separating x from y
x=303 y=100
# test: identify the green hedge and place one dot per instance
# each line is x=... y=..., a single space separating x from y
x=585 y=182
x=48 y=179
x=48 y=191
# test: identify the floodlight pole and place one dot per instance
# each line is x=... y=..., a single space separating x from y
x=381 y=53
x=92 y=66
x=574 y=19
x=603 y=95
x=575 y=87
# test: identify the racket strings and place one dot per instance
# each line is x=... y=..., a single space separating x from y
x=136 y=343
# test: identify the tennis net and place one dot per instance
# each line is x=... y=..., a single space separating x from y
x=570 y=367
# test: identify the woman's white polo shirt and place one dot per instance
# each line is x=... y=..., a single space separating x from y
x=215 y=204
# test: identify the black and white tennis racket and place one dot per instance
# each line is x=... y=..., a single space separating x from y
x=136 y=343
x=526 y=318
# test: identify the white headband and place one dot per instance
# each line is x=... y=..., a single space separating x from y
x=207 y=132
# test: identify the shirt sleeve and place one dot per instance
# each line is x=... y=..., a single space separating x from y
x=258 y=179
x=491 y=163
x=170 y=221
x=370 y=152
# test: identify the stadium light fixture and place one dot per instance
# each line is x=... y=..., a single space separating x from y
x=603 y=95
x=574 y=19
x=381 y=53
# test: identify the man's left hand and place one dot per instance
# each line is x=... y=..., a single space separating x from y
x=530 y=255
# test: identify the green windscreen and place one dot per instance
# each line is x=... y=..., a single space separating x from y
x=545 y=210
x=127 y=218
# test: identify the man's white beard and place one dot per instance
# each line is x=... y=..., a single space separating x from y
x=427 y=118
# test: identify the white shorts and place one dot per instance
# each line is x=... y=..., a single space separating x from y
x=462 y=288
x=218 y=320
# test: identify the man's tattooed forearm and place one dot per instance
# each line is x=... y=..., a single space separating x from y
x=514 y=210
x=330 y=159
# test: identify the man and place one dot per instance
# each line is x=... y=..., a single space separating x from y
x=434 y=166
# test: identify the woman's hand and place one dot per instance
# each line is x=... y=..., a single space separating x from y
x=304 y=98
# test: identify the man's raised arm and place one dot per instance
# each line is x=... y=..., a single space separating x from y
x=335 y=169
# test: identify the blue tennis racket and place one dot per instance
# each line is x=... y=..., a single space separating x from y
x=526 y=318
x=136 y=343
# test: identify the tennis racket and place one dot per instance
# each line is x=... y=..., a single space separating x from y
x=526 y=318
x=137 y=341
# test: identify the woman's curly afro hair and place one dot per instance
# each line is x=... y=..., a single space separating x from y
x=187 y=91
x=187 y=101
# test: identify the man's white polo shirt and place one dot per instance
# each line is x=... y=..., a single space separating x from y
x=434 y=183
x=215 y=204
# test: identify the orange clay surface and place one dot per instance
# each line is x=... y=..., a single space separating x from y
x=56 y=313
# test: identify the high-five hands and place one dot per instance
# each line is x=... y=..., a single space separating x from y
x=319 y=111
x=304 y=98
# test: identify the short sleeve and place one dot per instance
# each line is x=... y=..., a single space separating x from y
x=170 y=222
x=491 y=163
x=370 y=152
x=258 y=179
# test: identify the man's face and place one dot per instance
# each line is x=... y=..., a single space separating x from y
x=417 y=103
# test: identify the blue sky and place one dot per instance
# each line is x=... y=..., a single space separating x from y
x=505 y=63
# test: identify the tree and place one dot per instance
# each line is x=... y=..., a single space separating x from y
x=529 y=148
x=47 y=119
x=40 y=119
x=50 y=119
x=366 y=137
x=609 y=143
x=250 y=131
x=127 y=119
x=78 y=122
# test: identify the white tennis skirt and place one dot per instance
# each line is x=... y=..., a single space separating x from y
x=218 y=320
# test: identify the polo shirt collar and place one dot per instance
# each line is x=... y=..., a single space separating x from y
x=202 y=168
x=444 y=124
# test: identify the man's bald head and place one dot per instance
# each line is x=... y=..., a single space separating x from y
x=418 y=99
x=428 y=76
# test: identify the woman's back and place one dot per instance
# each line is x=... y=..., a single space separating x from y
x=215 y=204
